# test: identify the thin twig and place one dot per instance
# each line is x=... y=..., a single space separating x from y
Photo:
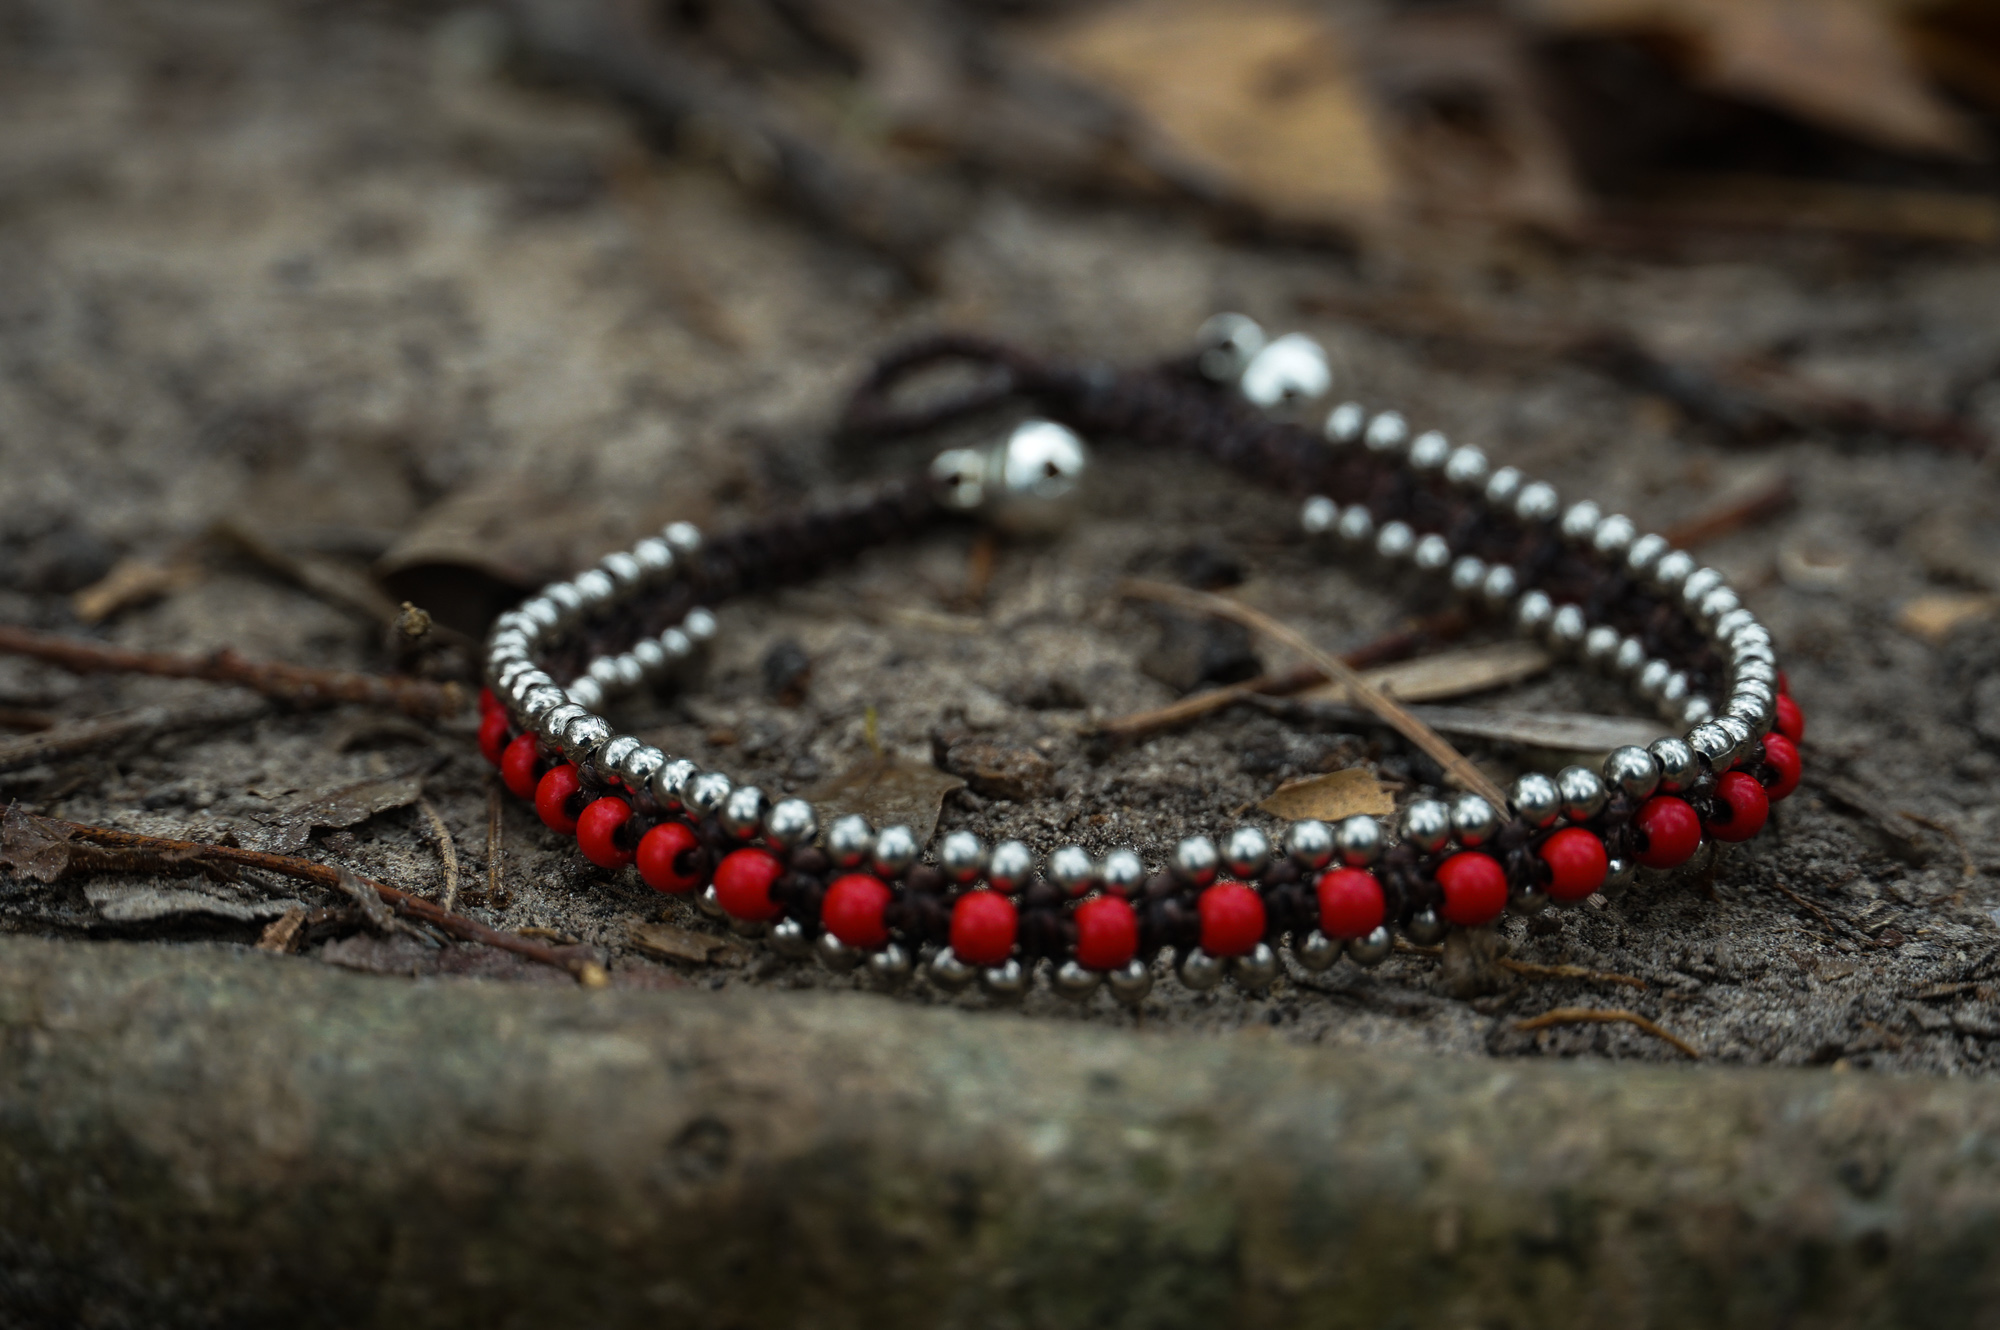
x=495 y=892
x=1531 y=970
x=200 y=854
x=447 y=851
x=1392 y=712
x=297 y=685
x=1714 y=523
x=122 y=728
x=1968 y=863
x=1605 y=1016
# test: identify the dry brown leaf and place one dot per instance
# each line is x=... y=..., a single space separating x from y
x=347 y=806
x=1448 y=673
x=1840 y=64
x=1260 y=93
x=1331 y=797
x=886 y=791
x=132 y=582
x=1933 y=617
x=683 y=944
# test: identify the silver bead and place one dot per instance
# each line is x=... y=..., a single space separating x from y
x=582 y=737
x=1728 y=625
x=836 y=955
x=538 y=702
x=586 y=692
x=1372 y=948
x=1583 y=794
x=849 y=841
x=1527 y=898
x=1504 y=486
x=1678 y=769
x=1070 y=869
x=1674 y=692
x=707 y=793
x=1696 y=710
x=1007 y=982
x=1467 y=468
x=895 y=849
x=1201 y=971
x=1195 y=860
x=1713 y=743
x=670 y=784
x=1356 y=524
x=1344 y=422
x=1566 y=629
x=1395 y=540
x=1645 y=552
x=1031 y=479
x=1246 y=853
x=1757 y=715
x=1074 y=982
x=1226 y=344
x=1579 y=523
x=1600 y=647
x=1009 y=867
x=1122 y=873
x=610 y=759
x=1537 y=502
x=1309 y=844
x=1473 y=821
x=1741 y=737
x=1533 y=612
x=1387 y=432
x=1759 y=671
x=639 y=767
x=569 y=602
x=1358 y=840
x=1318 y=516
x=623 y=569
x=1698 y=584
x=1536 y=799
x=1671 y=569
x=1429 y=451
x=710 y=904
x=1632 y=771
x=1425 y=928
x=1131 y=983
x=1723 y=600
x=699 y=625
x=1427 y=825
x=1630 y=657
x=684 y=538
x=1614 y=535
x=1619 y=873
x=1291 y=369
x=1432 y=554
x=555 y=720
x=626 y=672
x=676 y=646
x=1653 y=676
x=1255 y=969
x=890 y=967
x=948 y=972
x=791 y=824
x=1468 y=574
x=962 y=856
x=655 y=558
x=1317 y=952
x=649 y=656
x=596 y=587
x=543 y=612
x=1500 y=586
x=788 y=939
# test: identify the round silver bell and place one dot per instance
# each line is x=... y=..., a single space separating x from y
x=1255 y=969
x=1356 y=526
x=1372 y=948
x=1678 y=768
x=1317 y=516
x=1502 y=584
x=1309 y=844
x=1620 y=873
x=1427 y=825
x=1395 y=540
x=1009 y=867
x=1671 y=569
x=1387 y=433
x=1074 y=982
x=1200 y=971
x=1583 y=793
x=1072 y=870
x=1432 y=554
x=710 y=904
x=1632 y=771
x=1527 y=898
x=1122 y=873
x=788 y=938
x=1473 y=821
x=683 y=537
x=894 y=852
x=1358 y=840
x=1600 y=647
x=849 y=841
x=946 y=971
x=586 y=692
x=1344 y=422
x=1466 y=468
x=1429 y=451
x=1580 y=522
x=707 y=793
x=1131 y=984
x=962 y=856
x=836 y=955
x=890 y=968
x=1195 y=860
x=1532 y=613
x=1226 y=343
x=1504 y=486
x=639 y=768
x=1007 y=982
x=742 y=813
x=1317 y=952
x=1536 y=799
x=1644 y=553
x=1426 y=928
x=1246 y=853
x=1289 y=371
x=1468 y=575
x=790 y=825
x=1537 y=502
x=1614 y=535
x=670 y=784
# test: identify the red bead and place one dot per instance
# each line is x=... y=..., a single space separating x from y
x=1475 y=888
x=597 y=832
x=1350 y=903
x=521 y=767
x=1791 y=722
x=853 y=909
x=1232 y=919
x=493 y=736
x=982 y=928
x=1782 y=755
x=667 y=859
x=1673 y=832
x=1747 y=803
x=552 y=797
x=1107 y=933
x=743 y=883
x=488 y=704
x=1577 y=863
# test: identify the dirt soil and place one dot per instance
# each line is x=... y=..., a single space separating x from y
x=324 y=271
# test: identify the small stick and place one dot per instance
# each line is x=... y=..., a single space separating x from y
x=587 y=971
x=494 y=890
x=1969 y=864
x=1718 y=522
x=1530 y=970
x=447 y=851
x=1377 y=701
x=282 y=933
x=21 y=718
x=297 y=685
x=1605 y=1016
x=78 y=737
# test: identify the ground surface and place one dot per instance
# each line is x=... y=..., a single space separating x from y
x=319 y=271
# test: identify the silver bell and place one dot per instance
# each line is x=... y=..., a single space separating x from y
x=1026 y=484
x=1255 y=970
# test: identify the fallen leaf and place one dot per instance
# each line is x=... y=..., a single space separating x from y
x=281 y=935
x=886 y=791
x=1559 y=731
x=1260 y=94
x=33 y=847
x=999 y=770
x=347 y=806
x=1448 y=673
x=684 y=944
x=1932 y=617
x=1331 y=797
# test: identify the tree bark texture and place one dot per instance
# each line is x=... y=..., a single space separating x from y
x=197 y=1137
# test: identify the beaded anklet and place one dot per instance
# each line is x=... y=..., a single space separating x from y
x=1590 y=586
